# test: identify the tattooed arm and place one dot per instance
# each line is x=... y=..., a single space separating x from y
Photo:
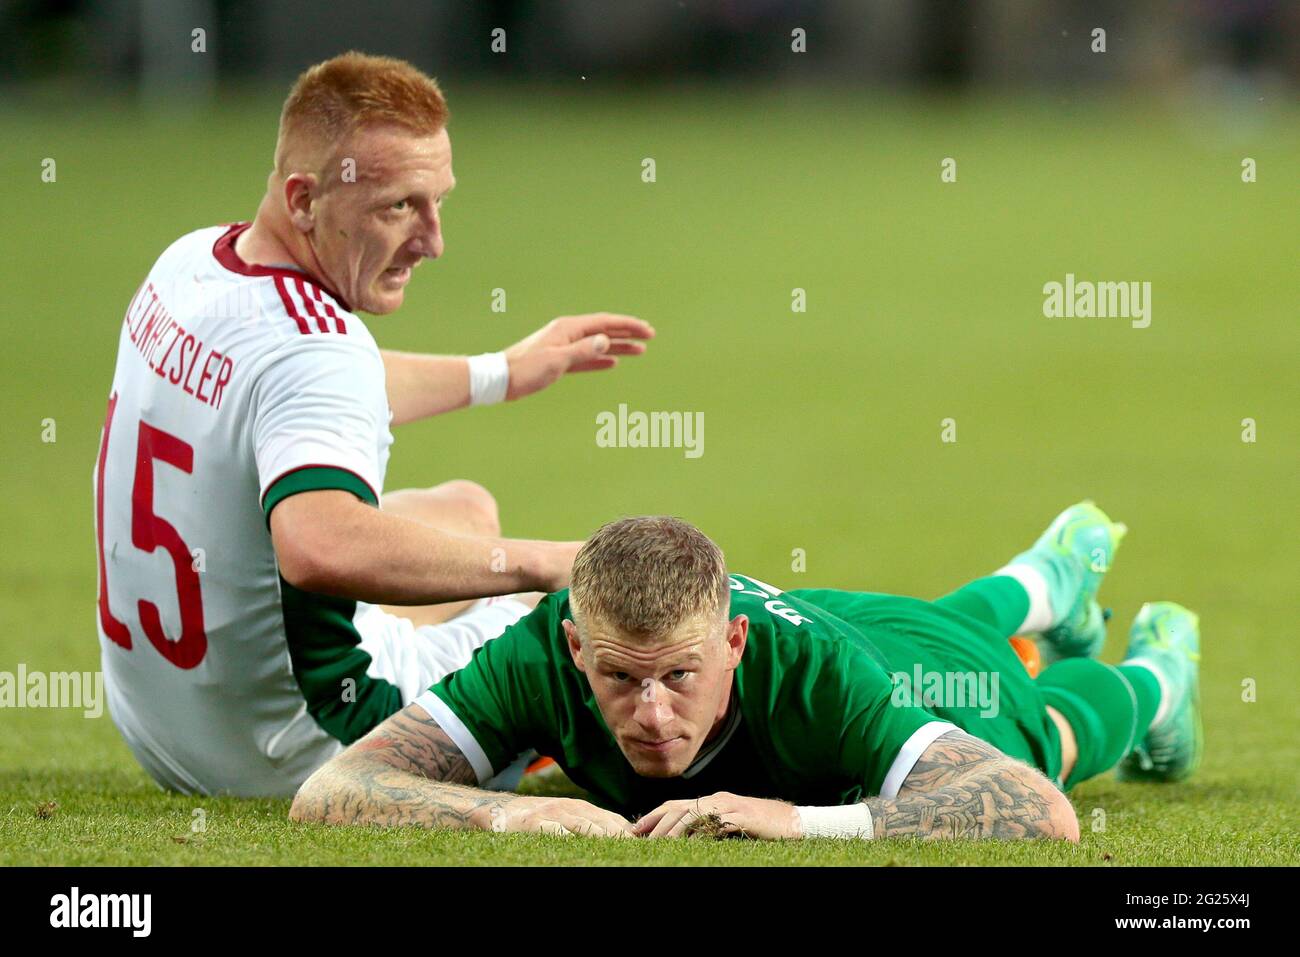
x=408 y=771
x=959 y=787
x=964 y=787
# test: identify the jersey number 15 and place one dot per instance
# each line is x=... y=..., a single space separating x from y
x=149 y=533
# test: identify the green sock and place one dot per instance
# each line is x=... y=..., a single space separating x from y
x=999 y=601
x=1109 y=708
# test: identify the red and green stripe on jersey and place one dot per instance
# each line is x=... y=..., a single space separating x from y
x=312 y=307
x=308 y=306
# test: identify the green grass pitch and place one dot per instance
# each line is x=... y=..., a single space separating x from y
x=924 y=302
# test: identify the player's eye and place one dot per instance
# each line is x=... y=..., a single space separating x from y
x=400 y=205
x=620 y=676
x=678 y=675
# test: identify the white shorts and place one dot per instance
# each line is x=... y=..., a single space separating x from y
x=414 y=658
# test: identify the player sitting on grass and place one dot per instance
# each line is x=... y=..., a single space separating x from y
x=670 y=690
x=262 y=600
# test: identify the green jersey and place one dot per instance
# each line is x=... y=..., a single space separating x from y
x=819 y=713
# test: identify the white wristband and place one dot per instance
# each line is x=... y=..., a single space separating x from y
x=850 y=820
x=489 y=378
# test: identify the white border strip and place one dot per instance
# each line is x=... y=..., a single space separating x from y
x=459 y=734
x=910 y=753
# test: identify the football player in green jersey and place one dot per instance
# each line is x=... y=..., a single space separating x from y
x=680 y=696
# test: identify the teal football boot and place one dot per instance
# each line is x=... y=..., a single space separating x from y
x=1073 y=556
x=1167 y=636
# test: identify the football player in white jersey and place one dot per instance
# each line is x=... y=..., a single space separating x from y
x=262 y=602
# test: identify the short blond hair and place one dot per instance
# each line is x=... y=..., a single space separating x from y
x=333 y=99
x=643 y=576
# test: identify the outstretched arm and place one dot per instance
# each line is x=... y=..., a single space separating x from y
x=420 y=386
x=408 y=771
x=329 y=542
x=959 y=787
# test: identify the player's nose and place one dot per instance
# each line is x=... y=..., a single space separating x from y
x=652 y=715
x=431 y=241
x=435 y=245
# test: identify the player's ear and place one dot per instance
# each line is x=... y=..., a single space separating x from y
x=736 y=636
x=575 y=644
x=298 y=190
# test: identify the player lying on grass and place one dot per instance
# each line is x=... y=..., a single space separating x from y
x=680 y=696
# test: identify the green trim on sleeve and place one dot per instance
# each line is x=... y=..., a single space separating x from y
x=331 y=667
x=314 y=478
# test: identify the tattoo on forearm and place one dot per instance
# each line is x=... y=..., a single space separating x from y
x=405 y=772
x=963 y=787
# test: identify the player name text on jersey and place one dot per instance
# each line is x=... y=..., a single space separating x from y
x=175 y=354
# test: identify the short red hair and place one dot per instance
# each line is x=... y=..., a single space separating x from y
x=333 y=99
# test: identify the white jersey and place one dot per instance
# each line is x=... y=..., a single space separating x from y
x=235 y=386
